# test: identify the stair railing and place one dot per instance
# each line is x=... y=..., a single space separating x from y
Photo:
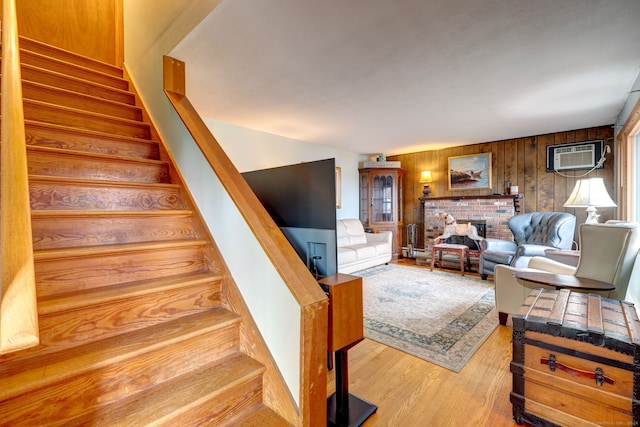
x=18 y=306
x=303 y=287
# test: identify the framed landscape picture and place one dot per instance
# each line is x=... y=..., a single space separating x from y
x=470 y=172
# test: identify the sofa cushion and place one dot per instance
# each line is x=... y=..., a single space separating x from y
x=364 y=251
x=381 y=248
x=350 y=232
x=346 y=255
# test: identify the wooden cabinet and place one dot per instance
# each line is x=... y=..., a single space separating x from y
x=381 y=202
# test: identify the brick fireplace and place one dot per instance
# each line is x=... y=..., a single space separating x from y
x=494 y=210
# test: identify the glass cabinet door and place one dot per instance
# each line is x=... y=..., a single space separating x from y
x=382 y=200
x=364 y=199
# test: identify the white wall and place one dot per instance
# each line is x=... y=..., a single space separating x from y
x=250 y=150
x=152 y=28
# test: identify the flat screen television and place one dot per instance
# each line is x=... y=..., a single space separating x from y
x=301 y=199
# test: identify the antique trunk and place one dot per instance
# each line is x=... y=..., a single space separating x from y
x=575 y=361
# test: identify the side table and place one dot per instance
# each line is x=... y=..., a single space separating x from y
x=461 y=250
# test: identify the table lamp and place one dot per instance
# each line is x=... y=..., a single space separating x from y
x=592 y=194
x=425 y=177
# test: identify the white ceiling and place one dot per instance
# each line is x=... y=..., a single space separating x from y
x=398 y=76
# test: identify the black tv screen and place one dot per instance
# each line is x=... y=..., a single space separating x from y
x=301 y=199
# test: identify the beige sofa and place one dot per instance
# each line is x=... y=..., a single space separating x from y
x=358 y=250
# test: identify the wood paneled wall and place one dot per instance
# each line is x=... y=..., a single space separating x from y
x=91 y=28
x=521 y=161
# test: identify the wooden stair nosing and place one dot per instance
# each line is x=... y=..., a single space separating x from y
x=81 y=119
x=61 y=214
x=67 y=98
x=68 y=56
x=35 y=373
x=44 y=180
x=105 y=142
x=63 y=67
x=103 y=250
x=75 y=300
x=171 y=402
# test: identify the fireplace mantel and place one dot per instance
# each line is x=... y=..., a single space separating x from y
x=515 y=197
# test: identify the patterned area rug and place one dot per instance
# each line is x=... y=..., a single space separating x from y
x=440 y=317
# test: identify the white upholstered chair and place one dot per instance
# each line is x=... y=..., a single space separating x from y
x=608 y=252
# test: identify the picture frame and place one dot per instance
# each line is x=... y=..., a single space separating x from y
x=470 y=172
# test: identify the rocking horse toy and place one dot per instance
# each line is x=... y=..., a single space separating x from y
x=452 y=228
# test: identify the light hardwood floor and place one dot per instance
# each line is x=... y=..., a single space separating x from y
x=412 y=392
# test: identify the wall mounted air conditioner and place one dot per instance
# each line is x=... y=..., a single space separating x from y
x=581 y=155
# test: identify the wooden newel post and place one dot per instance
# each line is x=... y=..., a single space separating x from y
x=18 y=307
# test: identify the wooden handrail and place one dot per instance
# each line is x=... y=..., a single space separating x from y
x=304 y=288
x=18 y=306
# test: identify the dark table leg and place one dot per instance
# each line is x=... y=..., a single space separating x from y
x=344 y=408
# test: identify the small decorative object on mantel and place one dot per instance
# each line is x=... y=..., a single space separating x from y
x=425 y=177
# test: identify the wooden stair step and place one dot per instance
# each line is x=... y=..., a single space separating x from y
x=119 y=309
x=260 y=416
x=46 y=161
x=54 y=193
x=96 y=296
x=66 y=98
x=62 y=307
x=60 y=271
x=67 y=68
x=66 y=116
x=74 y=84
x=200 y=398
x=86 y=378
x=68 y=56
x=56 y=229
x=56 y=136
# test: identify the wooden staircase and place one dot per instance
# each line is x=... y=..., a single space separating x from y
x=133 y=325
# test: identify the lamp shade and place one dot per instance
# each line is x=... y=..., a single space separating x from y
x=425 y=176
x=589 y=192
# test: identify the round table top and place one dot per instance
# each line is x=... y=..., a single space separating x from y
x=561 y=281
